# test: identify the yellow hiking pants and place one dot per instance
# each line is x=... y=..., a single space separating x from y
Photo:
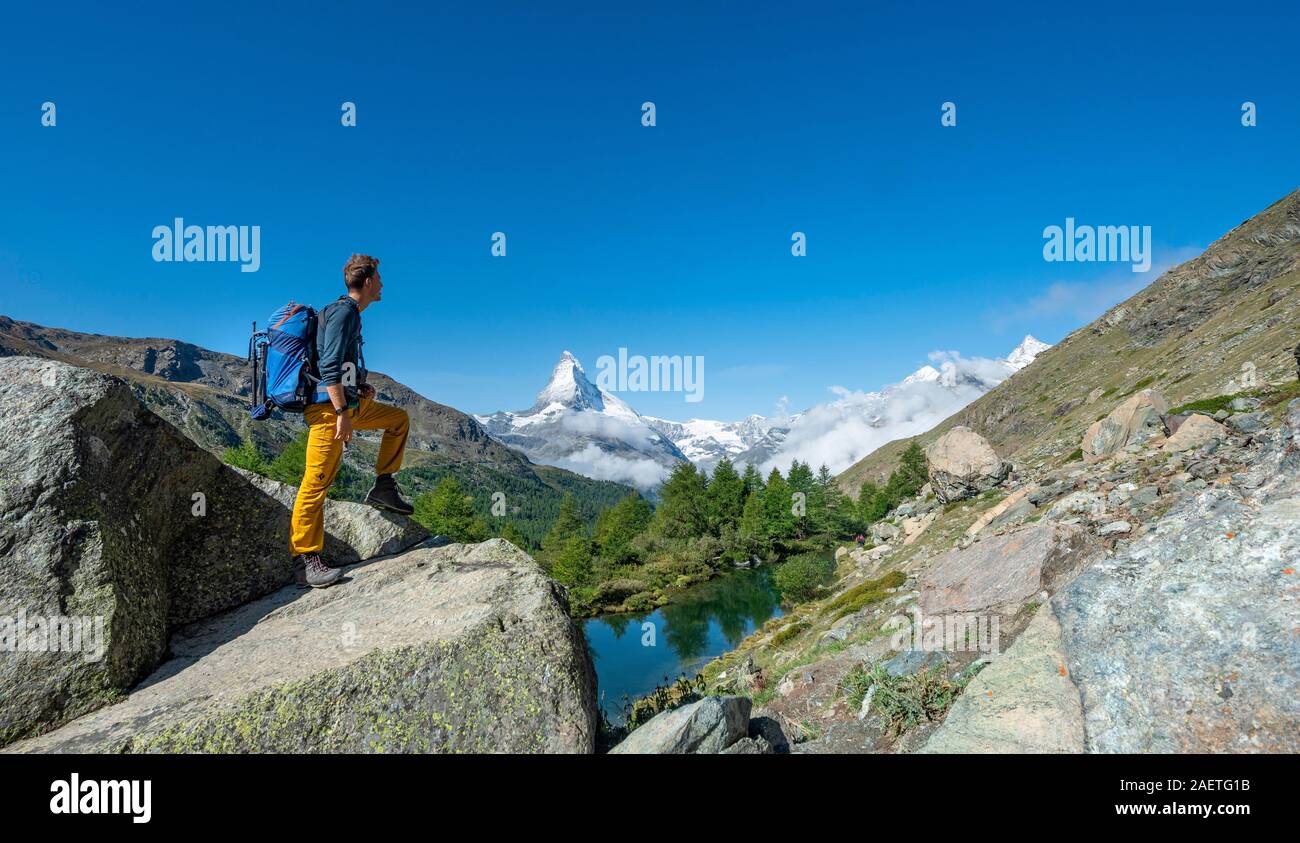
x=324 y=453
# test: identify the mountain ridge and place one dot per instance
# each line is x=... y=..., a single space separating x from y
x=575 y=424
x=1187 y=334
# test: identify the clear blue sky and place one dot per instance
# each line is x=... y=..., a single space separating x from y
x=772 y=118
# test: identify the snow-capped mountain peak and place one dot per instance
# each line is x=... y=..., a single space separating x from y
x=569 y=387
x=705 y=442
x=574 y=424
x=1025 y=353
x=923 y=374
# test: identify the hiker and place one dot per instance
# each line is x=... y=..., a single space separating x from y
x=1297 y=360
x=861 y=540
x=344 y=402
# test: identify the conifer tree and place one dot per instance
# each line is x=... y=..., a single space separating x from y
x=681 y=504
x=617 y=526
x=726 y=497
x=778 y=502
x=449 y=512
x=753 y=480
x=752 y=534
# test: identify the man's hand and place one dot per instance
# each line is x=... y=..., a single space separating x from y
x=367 y=391
x=343 y=428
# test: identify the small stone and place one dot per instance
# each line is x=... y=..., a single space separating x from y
x=1248 y=422
x=1145 y=496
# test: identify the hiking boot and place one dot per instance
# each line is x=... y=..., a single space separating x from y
x=319 y=574
x=383 y=495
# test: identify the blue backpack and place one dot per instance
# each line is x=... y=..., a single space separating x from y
x=284 y=361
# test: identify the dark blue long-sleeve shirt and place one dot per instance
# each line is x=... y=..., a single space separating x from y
x=338 y=344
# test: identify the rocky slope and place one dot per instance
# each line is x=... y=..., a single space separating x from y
x=463 y=648
x=1138 y=601
x=1188 y=335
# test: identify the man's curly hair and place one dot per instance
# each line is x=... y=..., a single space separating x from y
x=358 y=270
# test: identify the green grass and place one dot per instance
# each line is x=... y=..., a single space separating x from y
x=1208 y=406
x=789 y=632
x=864 y=594
x=1144 y=383
x=1269 y=396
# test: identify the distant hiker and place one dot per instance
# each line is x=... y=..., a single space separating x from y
x=344 y=402
x=1297 y=360
x=861 y=540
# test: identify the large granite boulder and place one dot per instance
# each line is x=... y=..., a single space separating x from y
x=704 y=727
x=1135 y=422
x=1001 y=572
x=115 y=529
x=1196 y=430
x=962 y=464
x=1186 y=641
x=1024 y=702
x=110 y=518
x=460 y=648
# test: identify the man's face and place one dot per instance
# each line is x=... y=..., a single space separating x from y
x=376 y=285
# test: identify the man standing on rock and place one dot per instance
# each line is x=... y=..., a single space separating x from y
x=344 y=402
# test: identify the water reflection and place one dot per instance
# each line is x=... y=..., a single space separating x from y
x=702 y=624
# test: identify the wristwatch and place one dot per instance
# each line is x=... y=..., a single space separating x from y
x=338 y=411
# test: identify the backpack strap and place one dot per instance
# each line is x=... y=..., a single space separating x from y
x=287 y=316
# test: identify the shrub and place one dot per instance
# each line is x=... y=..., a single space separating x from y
x=246 y=456
x=789 y=632
x=905 y=701
x=619 y=589
x=799 y=578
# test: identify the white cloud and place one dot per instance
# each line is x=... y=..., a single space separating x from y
x=589 y=424
x=591 y=461
x=841 y=432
